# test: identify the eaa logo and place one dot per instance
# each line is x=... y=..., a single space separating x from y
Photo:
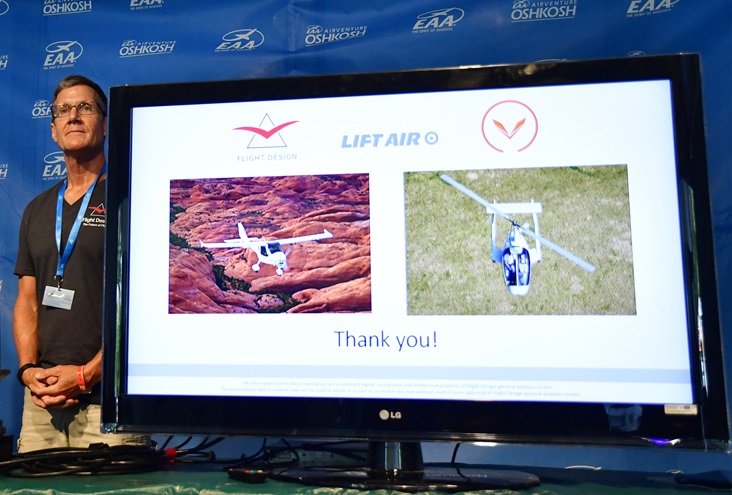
x=438 y=20
x=639 y=8
x=145 y=4
x=510 y=126
x=61 y=7
x=267 y=135
x=55 y=166
x=241 y=40
x=4 y=7
x=527 y=11
x=318 y=35
x=62 y=54
x=41 y=109
x=134 y=48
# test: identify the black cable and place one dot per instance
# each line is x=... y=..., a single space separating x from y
x=184 y=443
x=454 y=452
x=97 y=459
x=208 y=443
x=257 y=456
x=197 y=452
x=103 y=459
x=292 y=449
x=166 y=442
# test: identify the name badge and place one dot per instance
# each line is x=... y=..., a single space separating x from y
x=57 y=297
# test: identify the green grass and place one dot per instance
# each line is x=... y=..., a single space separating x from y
x=586 y=211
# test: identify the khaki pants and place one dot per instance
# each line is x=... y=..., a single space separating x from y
x=76 y=427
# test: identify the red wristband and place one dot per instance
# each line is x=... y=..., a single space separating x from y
x=81 y=381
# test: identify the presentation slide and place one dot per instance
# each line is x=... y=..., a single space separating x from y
x=514 y=244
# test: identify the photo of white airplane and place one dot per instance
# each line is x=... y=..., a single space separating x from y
x=269 y=252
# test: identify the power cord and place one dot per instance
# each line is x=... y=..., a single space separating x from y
x=97 y=459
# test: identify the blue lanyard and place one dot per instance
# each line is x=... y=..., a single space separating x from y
x=70 y=242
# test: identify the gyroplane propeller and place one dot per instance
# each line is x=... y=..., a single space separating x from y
x=269 y=252
x=516 y=255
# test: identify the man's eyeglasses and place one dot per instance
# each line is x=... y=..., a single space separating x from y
x=83 y=108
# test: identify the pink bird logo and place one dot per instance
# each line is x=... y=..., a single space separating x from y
x=264 y=133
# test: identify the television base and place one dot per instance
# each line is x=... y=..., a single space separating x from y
x=399 y=466
x=6 y=441
x=6 y=446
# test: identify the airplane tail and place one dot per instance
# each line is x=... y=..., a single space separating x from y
x=243 y=241
x=242 y=232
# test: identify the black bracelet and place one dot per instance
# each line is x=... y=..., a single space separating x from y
x=22 y=370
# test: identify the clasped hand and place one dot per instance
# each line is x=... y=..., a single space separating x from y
x=54 y=388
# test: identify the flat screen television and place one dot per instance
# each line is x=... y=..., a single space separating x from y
x=518 y=253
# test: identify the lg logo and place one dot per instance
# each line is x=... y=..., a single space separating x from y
x=387 y=415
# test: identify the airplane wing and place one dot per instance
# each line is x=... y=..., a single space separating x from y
x=228 y=243
x=314 y=237
x=244 y=241
x=252 y=242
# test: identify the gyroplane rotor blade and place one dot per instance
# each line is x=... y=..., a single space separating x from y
x=546 y=242
x=558 y=249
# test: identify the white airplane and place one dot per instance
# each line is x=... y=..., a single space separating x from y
x=269 y=252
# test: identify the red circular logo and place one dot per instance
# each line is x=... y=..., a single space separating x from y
x=510 y=126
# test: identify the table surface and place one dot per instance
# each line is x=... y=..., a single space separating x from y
x=211 y=479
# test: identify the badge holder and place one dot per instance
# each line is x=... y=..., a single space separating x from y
x=56 y=297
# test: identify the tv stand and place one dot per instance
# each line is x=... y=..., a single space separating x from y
x=400 y=466
x=6 y=441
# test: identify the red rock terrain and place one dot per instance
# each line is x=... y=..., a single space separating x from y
x=329 y=275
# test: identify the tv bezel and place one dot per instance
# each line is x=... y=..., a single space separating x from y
x=538 y=422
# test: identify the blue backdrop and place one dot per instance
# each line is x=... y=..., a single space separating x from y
x=151 y=41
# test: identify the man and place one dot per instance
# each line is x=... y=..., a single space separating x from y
x=57 y=317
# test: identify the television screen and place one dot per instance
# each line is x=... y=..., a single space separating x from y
x=514 y=252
